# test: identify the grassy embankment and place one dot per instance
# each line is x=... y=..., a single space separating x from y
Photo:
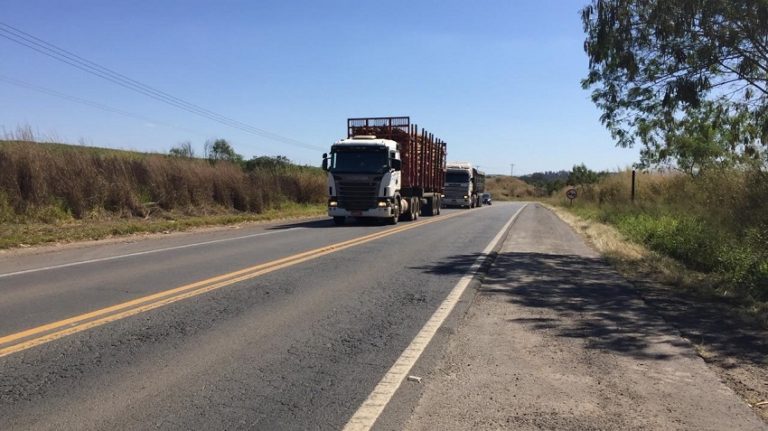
x=707 y=233
x=506 y=188
x=56 y=192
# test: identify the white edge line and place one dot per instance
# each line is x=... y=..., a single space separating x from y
x=367 y=414
x=140 y=253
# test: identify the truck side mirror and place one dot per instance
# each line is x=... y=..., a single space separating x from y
x=396 y=164
x=325 y=161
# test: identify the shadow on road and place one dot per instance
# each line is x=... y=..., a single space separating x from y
x=310 y=224
x=325 y=223
x=591 y=301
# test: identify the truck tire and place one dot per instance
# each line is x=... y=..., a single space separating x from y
x=395 y=218
x=428 y=209
x=339 y=220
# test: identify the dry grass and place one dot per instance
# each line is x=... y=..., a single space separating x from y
x=56 y=192
x=44 y=183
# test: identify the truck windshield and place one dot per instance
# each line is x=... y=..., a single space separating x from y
x=456 y=177
x=359 y=161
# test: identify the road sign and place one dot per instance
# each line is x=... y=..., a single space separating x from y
x=571 y=195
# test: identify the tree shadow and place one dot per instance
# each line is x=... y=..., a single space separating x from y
x=584 y=298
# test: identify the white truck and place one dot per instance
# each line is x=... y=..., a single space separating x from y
x=387 y=168
x=464 y=185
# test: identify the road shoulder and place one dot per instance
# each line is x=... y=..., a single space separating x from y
x=556 y=339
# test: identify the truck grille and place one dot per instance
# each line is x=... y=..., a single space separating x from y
x=456 y=192
x=357 y=194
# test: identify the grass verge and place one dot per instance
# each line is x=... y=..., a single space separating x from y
x=13 y=235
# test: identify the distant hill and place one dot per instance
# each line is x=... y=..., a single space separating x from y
x=504 y=187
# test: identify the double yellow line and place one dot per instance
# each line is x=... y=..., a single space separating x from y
x=32 y=337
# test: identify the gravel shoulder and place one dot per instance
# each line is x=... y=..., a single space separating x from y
x=556 y=339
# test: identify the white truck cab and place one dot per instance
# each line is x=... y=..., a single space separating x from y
x=363 y=178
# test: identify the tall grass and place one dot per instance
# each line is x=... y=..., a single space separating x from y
x=49 y=182
x=715 y=222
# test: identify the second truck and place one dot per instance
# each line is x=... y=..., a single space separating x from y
x=387 y=168
x=464 y=185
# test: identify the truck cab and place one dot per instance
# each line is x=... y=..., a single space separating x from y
x=363 y=178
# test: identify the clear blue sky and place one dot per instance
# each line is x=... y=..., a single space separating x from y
x=497 y=80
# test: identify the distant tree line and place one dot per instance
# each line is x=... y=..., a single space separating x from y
x=549 y=182
x=220 y=150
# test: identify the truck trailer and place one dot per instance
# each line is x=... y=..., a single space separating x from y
x=464 y=185
x=386 y=168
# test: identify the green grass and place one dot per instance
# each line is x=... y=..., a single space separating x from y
x=737 y=260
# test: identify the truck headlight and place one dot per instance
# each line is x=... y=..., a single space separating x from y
x=466 y=197
x=333 y=204
x=382 y=204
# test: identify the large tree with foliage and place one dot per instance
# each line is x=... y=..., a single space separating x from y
x=687 y=79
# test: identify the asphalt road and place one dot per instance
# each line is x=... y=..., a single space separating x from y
x=265 y=338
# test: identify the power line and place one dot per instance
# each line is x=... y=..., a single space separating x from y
x=27 y=40
x=106 y=108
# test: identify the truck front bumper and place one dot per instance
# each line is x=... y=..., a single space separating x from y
x=456 y=202
x=380 y=212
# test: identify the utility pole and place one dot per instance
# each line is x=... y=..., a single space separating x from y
x=511 y=169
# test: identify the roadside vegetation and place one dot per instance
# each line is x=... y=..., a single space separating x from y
x=57 y=192
x=714 y=225
x=686 y=81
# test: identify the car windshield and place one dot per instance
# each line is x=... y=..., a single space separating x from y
x=456 y=177
x=359 y=161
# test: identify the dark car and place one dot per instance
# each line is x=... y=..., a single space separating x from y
x=486 y=199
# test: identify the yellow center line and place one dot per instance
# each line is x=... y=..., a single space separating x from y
x=112 y=313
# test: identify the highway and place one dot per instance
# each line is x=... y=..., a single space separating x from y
x=272 y=326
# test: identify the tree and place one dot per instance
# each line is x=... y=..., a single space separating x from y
x=580 y=175
x=662 y=68
x=220 y=149
x=184 y=149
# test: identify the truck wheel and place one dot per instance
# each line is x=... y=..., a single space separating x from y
x=339 y=220
x=395 y=218
x=428 y=208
